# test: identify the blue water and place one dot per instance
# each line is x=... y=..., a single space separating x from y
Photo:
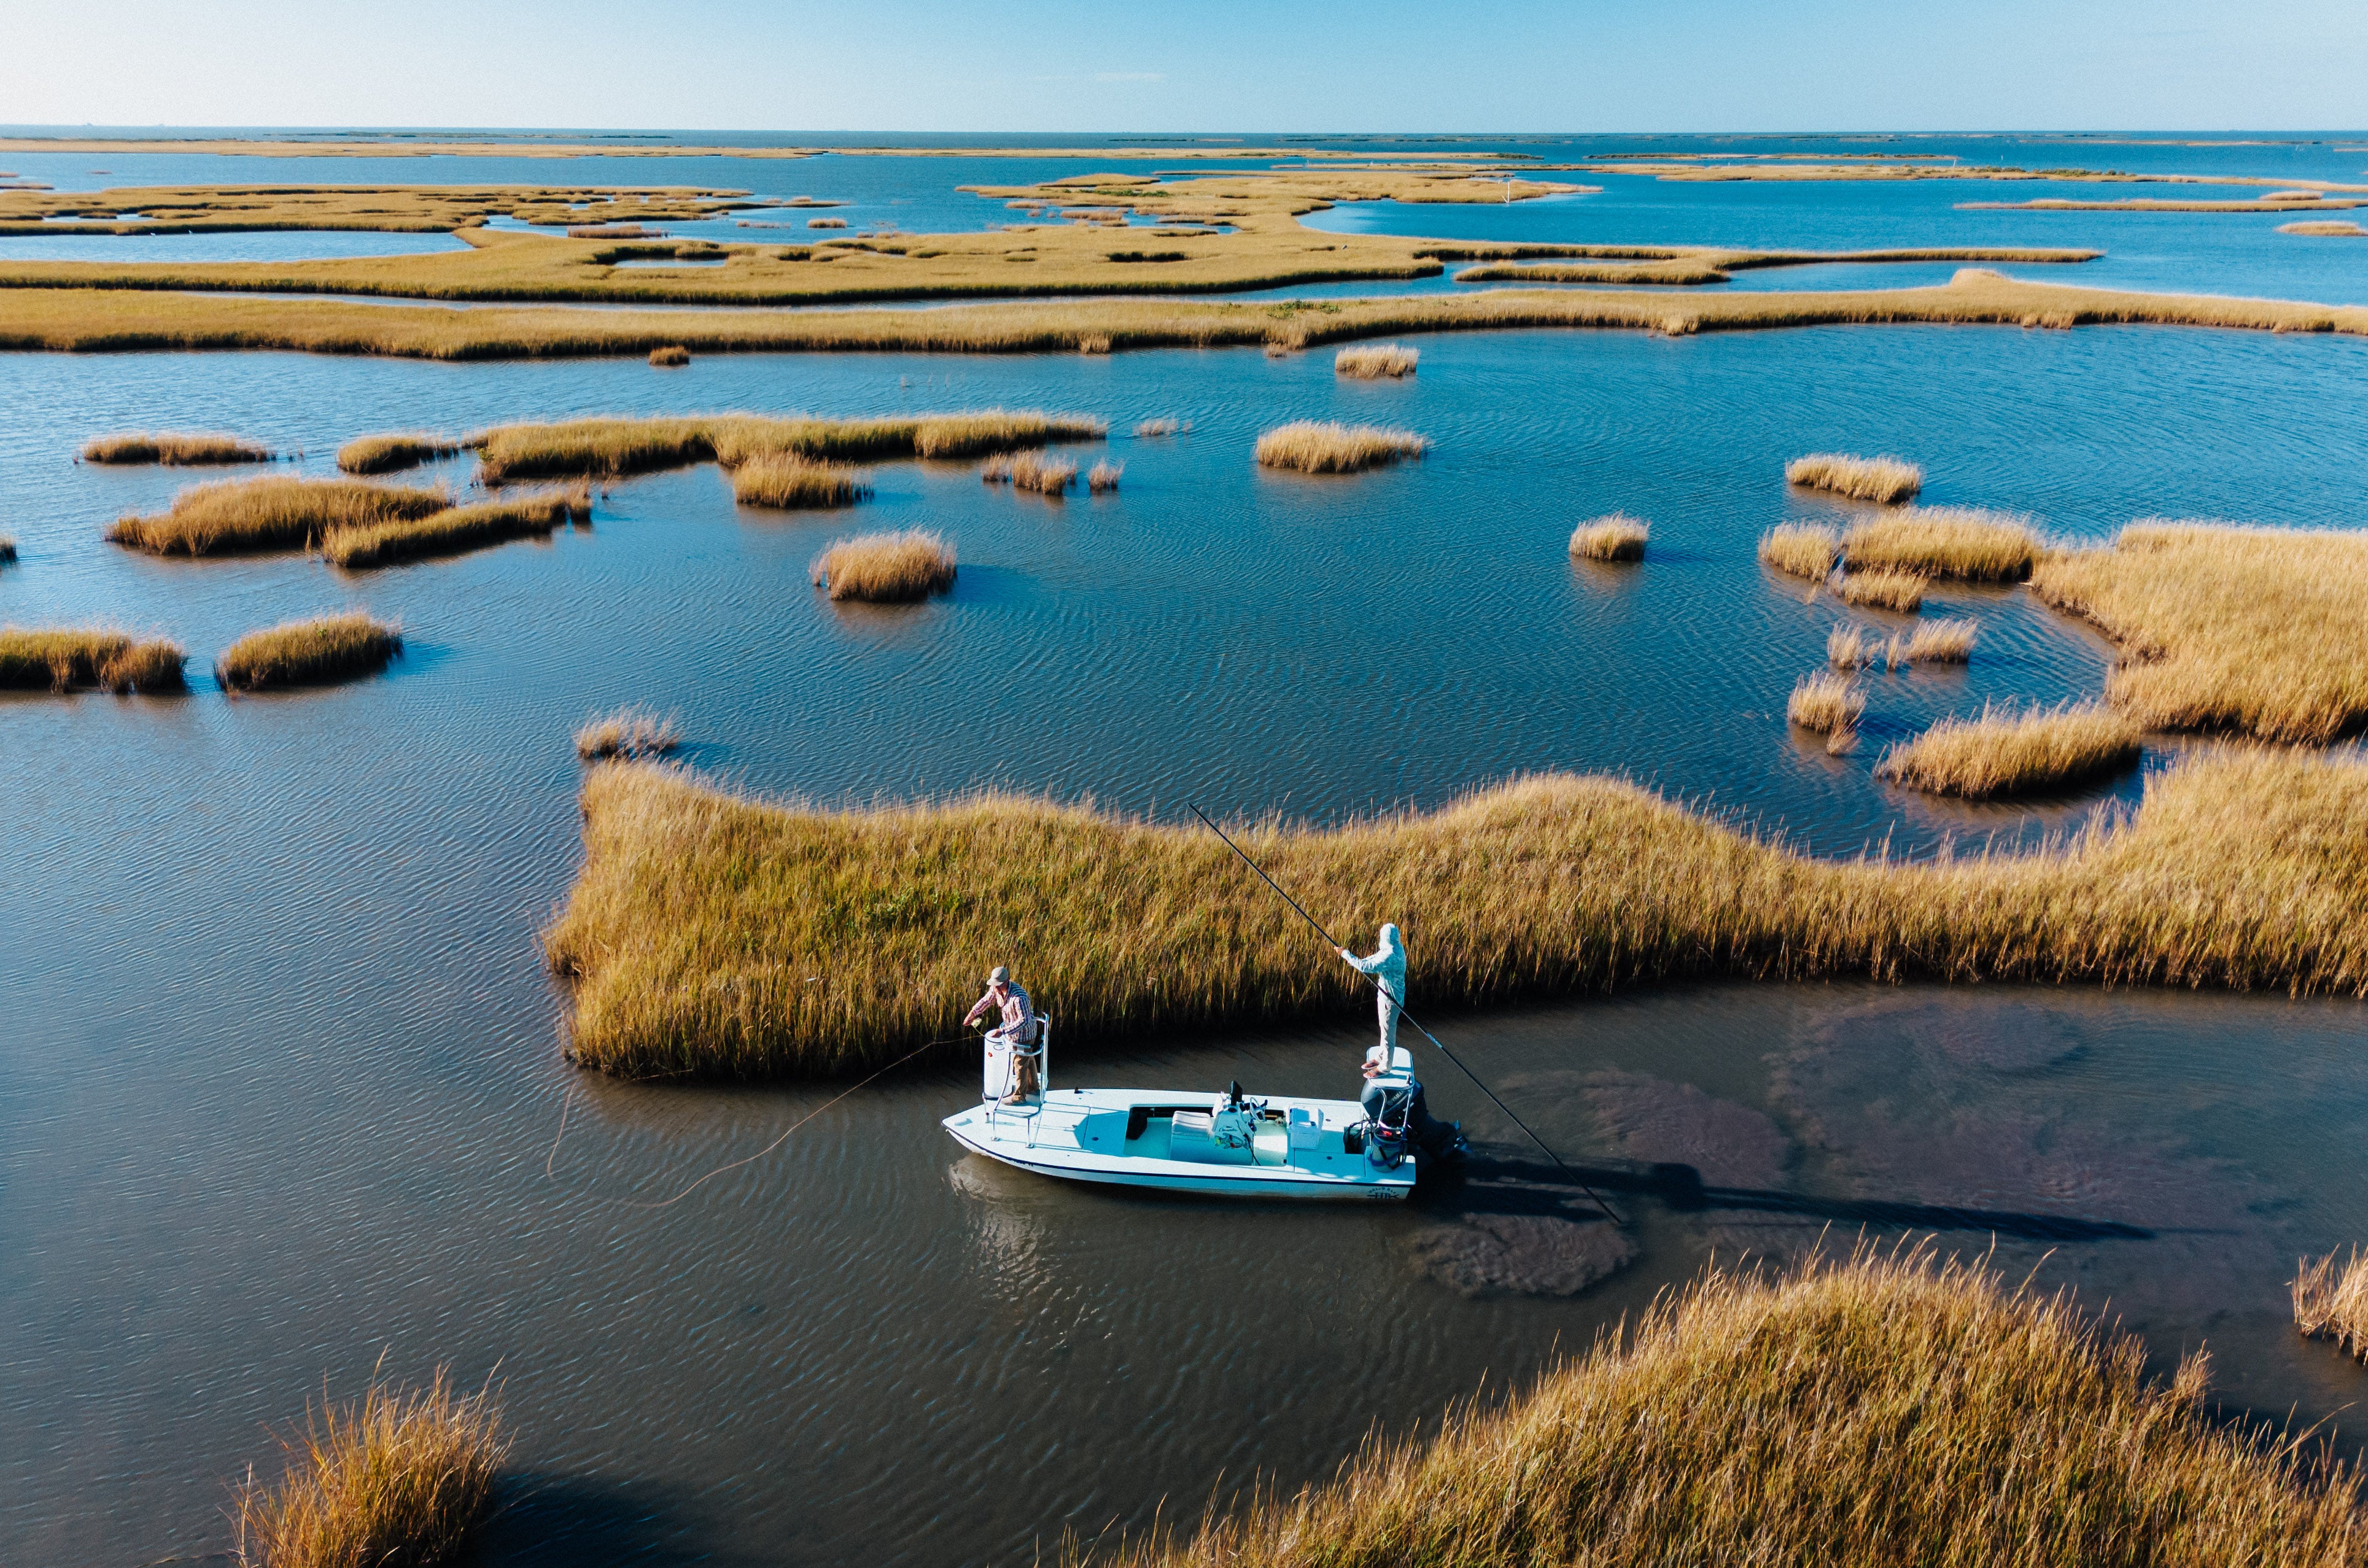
x=281 y=1064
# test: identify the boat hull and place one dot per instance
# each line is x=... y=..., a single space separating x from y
x=1112 y=1138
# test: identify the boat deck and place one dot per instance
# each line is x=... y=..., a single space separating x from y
x=1128 y=1138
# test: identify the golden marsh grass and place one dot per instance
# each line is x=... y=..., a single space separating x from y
x=630 y=733
x=1942 y=541
x=235 y=515
x=614 y=448
x=886 y=568
x=672 y=356
x=789 y=481
x=1801 y=550
x=390 y=453
x=1883 y=480
x=453 y=531
x=700 y=916
x=64 y=318
x=318 y=651
x=1899 y=592
x=1616 y=536
x=1941 y=642
x=2258 y=631
x=2330 y=1301
x=1850 y=647
x=1374 y=362
x=393 y=1478
x=1153 y=428
x=1328 y=447
x=176 y=451
x=1825 y=702
x=65 y=658
x=2325 y=228
x=1884 y=1409
x=2006 y=752
x=1045 y=475
x=1103 y=477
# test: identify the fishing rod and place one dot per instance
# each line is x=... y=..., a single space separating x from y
x=1575 y=1178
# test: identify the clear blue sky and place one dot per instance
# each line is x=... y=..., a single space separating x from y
x=1042 y=66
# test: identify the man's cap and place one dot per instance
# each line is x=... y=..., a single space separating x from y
x=1001 y=976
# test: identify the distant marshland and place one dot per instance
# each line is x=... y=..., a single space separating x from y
x=611 y=448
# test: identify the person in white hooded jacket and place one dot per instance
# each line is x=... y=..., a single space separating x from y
x=1387 y=965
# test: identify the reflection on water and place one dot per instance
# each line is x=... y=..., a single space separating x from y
x=281 y=1064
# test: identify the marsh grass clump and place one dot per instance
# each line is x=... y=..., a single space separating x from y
x=320 y=651
x=672 y=356
x=2258 y=631
x=1045 y=475
x=1901 y=592
x=631 y=733
x=1885 y=1408
x=615 y=448
x=1615 y=537
x=826 y=222
x=1802 y=549
x=1938 y=541
x=391 y=453
x=7 y=550
x=2325 y=228
x=68 y=658
x=2006 y=752
x=1371 y=361
x=886 y=568
x=699 y=916
x=454 y=530
x=1825 y=702
x=1883 y=479
x=1152 y=428
x=176 y=451
x=395 y=1478
x=1941 y=643
x=1103 y=477
x=244 y=514
x=789 y=481
x=2332 y=1304
x=1850 y=647
x=1324 y=447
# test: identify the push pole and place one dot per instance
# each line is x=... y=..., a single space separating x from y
x=1409 y=1017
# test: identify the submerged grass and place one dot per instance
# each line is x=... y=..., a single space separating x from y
x=453 y=530
x=1103 y=477
x=630 y=733
x=65 y=658
x=390 y=453
x=2331 y=1302
x=1900 y=592
x=2259 y=632
x=1940 y=541
x=245 y=515
x=789 y=481
x=1802 y=550
x=319 y=652
x=1372 y=361
x=1325 y=447
x=1616 y=536
x=395 y=1478
x=1867 y=1411
x=1850 y=647
x=2005 y=752
x=699 y=917
x=886 y=568
x=176 y=451
x=1941 y=642
x=1884 y=480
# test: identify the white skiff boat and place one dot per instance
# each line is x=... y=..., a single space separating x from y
x=1227 y=1144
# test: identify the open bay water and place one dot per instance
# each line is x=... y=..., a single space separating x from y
x=281 y=1088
